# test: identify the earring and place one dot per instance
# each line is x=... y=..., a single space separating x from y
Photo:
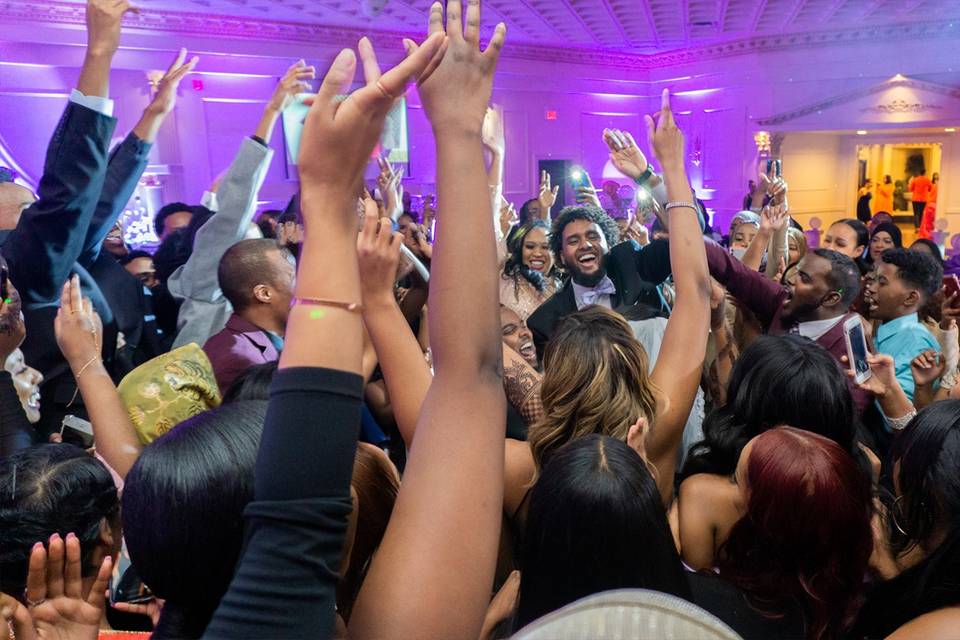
x=893 y=513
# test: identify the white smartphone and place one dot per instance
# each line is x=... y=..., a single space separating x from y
x=857 y=348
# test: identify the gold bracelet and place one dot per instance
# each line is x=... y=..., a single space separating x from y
x=80 y=373
x=355 y=307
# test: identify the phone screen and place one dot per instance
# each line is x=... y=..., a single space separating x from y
x=578 y=178
x=858 y=345
x=774 y=165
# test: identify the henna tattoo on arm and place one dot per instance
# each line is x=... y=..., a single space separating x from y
x=522 y=385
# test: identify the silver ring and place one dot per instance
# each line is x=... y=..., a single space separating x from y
x=34 y=603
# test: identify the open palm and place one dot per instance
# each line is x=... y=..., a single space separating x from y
x=58 y=609
x=624 y=153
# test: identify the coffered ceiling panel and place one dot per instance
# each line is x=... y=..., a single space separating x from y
x=637 y=26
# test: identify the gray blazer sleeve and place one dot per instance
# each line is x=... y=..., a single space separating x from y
x=204 y=310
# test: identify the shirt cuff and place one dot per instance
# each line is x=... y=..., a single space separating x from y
x=209 y=200
x=94 y=103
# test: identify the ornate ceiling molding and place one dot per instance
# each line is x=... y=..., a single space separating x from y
x=895 y=106
x=247 y=28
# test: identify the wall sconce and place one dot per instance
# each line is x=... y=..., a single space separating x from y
x=762 y=140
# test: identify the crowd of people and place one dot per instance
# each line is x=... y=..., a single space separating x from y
x=489 y=421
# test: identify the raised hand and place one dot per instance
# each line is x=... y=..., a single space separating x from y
x=54 y=594
x=378 y=255
x=391 y=188
x=429 y=211
x=949 y=309
x=774 y=185
x=165 y=97
x=588 y=194
x=294 y=81
x=883 y=378
x=508 y=216
x=77 y=326
x=637 y=232
x=547 y=196
x=456 y=89
x=492 y=131
x=927 y=368
x=773 y=218
x=665 y=136
x=289 y=233
x=625 y=154
x=353 y=126
x=103 y=25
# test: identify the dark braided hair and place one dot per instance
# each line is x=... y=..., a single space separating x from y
x=51 y=488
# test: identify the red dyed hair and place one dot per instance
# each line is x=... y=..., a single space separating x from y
x=804 y=543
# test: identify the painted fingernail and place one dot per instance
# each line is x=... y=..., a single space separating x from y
x=71 y=536
x=36 y=546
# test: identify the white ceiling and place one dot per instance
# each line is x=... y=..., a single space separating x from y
x=641 y=26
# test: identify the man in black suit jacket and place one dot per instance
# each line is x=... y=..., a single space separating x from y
x=43 y=242
x=625 y=276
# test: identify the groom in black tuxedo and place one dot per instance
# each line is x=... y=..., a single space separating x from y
x=625 y=276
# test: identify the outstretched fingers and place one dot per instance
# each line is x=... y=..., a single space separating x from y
x=394 y=81
x=472 y=32
x=336 y=82
x=178 y=61
x=454 y=19
x=97 y=595
x=496 y=42
x=435 y=24
x=371 y=68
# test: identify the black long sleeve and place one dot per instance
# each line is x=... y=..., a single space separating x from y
x=48 y=239
x=124 y=168
x=285 y=586
x=16 y=433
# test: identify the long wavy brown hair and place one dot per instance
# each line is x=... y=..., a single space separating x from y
x=595 y=380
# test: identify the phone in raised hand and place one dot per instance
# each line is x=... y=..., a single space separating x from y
x=579 y=178
x=857 y=348
x=774 y=169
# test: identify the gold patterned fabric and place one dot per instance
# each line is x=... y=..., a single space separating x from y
x=162 y=393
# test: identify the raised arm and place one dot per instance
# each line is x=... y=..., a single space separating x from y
x=50 y=234
x=129 y=159
x=79 y=335
x=237 y=197
x=405 y=370
x=677 y=372
x=302 y=493
x=779 y=247
x=421 y=583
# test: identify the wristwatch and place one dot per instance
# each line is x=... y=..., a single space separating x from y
x=643 y=177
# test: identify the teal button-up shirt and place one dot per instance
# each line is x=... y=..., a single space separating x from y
x=904 y=339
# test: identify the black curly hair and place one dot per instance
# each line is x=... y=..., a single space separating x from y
x=582 y=212
x=916 y=269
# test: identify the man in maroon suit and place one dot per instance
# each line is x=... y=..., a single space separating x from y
x=814 y=303
x=257 y=278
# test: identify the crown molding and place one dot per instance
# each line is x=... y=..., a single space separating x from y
x=930 y=87
x=149 y=21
